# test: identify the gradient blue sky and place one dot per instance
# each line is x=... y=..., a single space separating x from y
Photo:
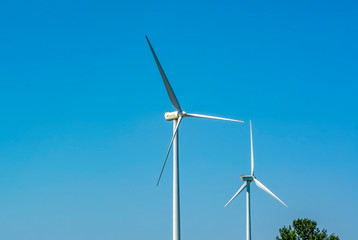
x=83 y=135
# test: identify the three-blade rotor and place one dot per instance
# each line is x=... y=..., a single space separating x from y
x=175 y=102
x=250 y=178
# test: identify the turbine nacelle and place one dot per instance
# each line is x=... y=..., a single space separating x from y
x=170 y=116
x=247 y=178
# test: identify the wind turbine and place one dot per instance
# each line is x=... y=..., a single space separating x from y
x=176 y=117
x=247 y=180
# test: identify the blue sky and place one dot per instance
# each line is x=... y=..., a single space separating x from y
x=83 y=135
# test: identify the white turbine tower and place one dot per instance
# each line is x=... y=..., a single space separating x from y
x=176 y=117
x=247 y=180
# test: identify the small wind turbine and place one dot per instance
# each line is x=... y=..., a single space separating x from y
x=176 y=117
x=247 y=180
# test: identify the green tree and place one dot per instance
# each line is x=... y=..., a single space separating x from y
x=304 y=229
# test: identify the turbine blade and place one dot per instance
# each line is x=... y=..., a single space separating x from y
x=260 y=185
x=170 y=146
x=170 y=91
x=252 y=151
x=237 y=193
x=210 y=117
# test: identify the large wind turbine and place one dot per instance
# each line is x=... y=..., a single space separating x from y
x=247 y=180
x=176 y=117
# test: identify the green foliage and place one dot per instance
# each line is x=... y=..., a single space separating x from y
x=304 y=229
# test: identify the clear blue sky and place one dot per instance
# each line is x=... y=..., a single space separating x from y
x=83 y=135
